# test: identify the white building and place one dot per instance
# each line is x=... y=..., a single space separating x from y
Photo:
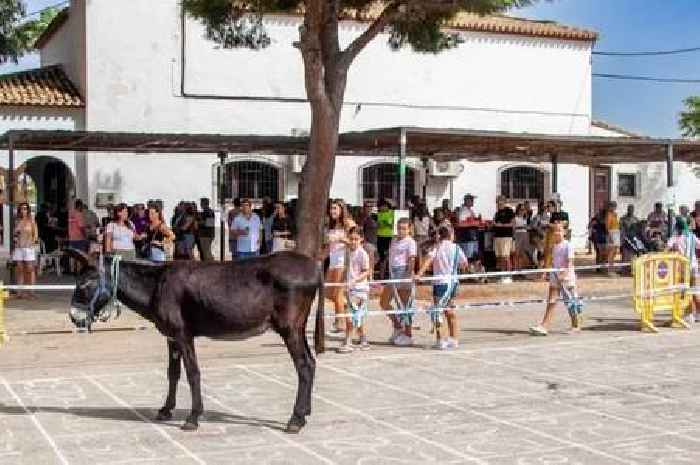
x=144 y=68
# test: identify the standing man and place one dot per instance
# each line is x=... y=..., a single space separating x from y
x=246 y=228
x=468 y=236
x=232 y=214
x=206 y=221
x=628 y=229
x=503 y=224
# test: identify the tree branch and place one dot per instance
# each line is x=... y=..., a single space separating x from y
x=357 y=45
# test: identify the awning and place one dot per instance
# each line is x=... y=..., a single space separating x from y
x=441 y=144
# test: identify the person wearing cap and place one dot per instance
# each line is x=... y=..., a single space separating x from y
x=503 y=224
x=467 y=237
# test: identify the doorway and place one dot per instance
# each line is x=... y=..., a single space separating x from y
x=602 y=177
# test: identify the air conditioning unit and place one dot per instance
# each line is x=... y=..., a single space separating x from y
x=296 y=163
x=445 y=168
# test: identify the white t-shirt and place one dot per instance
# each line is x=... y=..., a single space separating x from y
x=421 y=227
x=359 y=263
x=563 y=257
x=680 y=245
x=401 y=250
x=466 y=213
x=336 y=247
x=249 y=242
x=443 y=257
x=122 y=236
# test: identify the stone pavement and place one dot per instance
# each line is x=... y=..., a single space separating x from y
x=609 y=395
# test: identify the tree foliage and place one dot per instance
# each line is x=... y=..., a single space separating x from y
x=689 y=121
x=17 y=33
x=418 y=23
x=410 y=22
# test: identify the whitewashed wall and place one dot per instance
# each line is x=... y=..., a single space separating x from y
x=651 y=182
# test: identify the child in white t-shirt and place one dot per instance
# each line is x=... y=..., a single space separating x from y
x=403 y=253
x=446 y=259
x=562 y=284
x=358 y=270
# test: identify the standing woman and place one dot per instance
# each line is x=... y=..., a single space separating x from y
x=157 y=234
x=422 y=224
x=120 y=235
x=26 y=237
x=280 y=229
x=339 y=223
x=186 y=227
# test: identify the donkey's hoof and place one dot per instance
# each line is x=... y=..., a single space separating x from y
x=164 y=415
x=295 y=425
x=189 y=426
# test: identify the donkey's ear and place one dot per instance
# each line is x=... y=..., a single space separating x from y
x=81 y=257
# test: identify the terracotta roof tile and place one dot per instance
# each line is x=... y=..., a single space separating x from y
x=49 y=87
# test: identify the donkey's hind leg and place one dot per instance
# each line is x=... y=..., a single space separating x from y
x=174 y=367
x=304 y=362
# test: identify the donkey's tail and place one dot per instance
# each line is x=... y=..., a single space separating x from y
x=320 y=330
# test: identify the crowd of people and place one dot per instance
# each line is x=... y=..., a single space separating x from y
x=366 y=243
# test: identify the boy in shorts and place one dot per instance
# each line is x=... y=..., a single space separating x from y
x=358 y=270
x=402 y=261
x=446 y=259
x=562 y=284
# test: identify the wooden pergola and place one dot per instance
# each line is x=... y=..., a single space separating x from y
x=401 y=142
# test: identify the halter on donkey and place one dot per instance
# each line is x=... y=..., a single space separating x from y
x=84 y=318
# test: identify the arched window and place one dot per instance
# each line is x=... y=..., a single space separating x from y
x=523 y=183
x=252 y=180
x=381 y=181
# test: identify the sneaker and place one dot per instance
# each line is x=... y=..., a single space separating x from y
x=507 y=280
x=442 y=345
x=689 y=319
x=345 y=349
x=575 y=330
x=538 y=331
x=403 y=341
x=364 y=344
x=396 y=334
x=452 y=343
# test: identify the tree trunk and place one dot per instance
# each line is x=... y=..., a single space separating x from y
x=317 y=176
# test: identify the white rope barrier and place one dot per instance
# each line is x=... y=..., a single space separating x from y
x=514 y=303
x=489 y=274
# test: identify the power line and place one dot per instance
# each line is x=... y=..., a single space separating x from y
x=55 y=5
x=654 y=53
x=646 y=78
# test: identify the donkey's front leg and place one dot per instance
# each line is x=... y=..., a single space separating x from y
x=174 y=367
x=192 y=369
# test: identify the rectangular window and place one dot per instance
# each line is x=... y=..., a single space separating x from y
x=626 y=185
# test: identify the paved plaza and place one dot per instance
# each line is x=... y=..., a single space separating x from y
x=609 y=395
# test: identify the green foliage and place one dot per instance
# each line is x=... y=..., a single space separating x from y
x=689 y=121
x=17 y=35
x=11 y=45
x=417 y=23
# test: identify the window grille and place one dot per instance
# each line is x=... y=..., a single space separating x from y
x=251 y=180
x=381 y=181
x=522 y=183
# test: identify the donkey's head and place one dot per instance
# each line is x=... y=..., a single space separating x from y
x=93 y=290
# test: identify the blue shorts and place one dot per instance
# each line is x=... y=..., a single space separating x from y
x=246 y=255
x=439 y=291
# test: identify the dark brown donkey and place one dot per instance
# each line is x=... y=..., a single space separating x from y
x=230 y=300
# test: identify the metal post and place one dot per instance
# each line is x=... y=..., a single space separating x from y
x=11 y=203
x=555 y=173
x=402 y=170
x=669 y=185
x=222 y=206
